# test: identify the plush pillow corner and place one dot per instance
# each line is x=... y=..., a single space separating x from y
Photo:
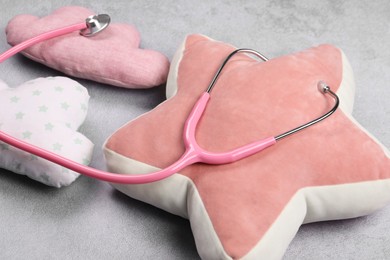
x=45 y=112
x=252 y=209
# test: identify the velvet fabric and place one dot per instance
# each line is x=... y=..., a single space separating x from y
x=254 y=100
x=112 y=56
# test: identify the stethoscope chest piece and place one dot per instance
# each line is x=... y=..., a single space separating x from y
x=95 y=24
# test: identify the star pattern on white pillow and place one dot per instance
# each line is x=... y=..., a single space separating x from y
x=45 y=112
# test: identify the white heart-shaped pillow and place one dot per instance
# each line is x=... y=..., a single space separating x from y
x=45 y=112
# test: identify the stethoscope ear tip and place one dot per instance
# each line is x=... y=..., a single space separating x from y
x=322 y=86
x=95 y=24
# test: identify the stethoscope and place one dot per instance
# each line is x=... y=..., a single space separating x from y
x=193 y=152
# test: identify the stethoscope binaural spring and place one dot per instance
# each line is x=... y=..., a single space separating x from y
x=193 y=152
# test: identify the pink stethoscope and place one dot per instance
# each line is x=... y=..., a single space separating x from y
x=193 y=152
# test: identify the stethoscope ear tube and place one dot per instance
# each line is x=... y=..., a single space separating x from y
x=242 y=50
x=321 y=85
x=325 y=89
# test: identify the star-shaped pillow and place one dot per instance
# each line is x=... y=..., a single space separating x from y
x=45 y=112
x=111 y=57
x=251 y=209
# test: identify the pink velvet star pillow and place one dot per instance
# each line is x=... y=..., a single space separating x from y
x=251 y=209
x=112 y=57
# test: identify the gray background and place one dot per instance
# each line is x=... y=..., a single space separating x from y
x=90 y=220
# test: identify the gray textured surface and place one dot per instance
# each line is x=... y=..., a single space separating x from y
x=90 y=220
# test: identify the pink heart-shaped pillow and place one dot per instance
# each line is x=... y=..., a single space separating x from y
x=112 y=56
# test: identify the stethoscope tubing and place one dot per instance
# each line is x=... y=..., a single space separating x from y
x=40 y=38
x=193 y=152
